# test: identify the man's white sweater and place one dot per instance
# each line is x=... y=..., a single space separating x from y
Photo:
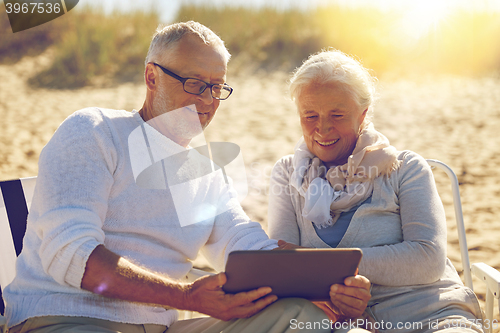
x=86 y=195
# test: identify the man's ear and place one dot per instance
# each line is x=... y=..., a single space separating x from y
x=151 y=77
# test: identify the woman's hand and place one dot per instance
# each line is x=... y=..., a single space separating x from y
x=351 y=298
x=348 y=300
x=282 y=245
x=329 y=310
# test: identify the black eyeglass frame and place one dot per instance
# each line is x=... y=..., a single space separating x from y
x=207 y=85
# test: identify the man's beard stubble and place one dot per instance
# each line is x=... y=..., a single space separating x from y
x=182 y=123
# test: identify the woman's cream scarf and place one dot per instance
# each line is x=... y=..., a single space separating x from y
x=327 y=193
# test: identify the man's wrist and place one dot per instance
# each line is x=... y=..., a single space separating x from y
x=182 y=297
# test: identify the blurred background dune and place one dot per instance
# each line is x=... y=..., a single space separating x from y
x=407 y=37
x=438 y=64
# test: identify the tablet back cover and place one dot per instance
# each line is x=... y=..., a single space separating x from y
x=306 y=273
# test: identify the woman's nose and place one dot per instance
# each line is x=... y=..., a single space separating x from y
x=323 y=127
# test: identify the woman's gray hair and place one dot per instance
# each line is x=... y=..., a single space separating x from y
x=329 y=66
x=167 y=36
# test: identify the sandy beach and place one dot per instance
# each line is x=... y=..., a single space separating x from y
x=452 y=119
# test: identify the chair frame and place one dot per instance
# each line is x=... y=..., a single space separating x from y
x=12 y=231
x=486 y=273
x=15 y=198
x=17 y=195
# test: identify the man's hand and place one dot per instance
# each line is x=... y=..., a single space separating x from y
x=205 y=295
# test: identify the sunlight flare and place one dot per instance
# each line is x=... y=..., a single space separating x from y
x=423 y=17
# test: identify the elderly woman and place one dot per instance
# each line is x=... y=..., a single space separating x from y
x=346 y=186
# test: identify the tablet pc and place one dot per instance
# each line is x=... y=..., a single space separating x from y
x=306 y=273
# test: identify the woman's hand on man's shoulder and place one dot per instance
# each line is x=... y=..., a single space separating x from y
x=282 y=245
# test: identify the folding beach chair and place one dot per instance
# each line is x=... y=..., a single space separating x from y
x=485 y=273
x=16 y=199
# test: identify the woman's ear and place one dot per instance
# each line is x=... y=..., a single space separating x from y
x=363 y=115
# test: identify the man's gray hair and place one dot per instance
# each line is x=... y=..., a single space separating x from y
x=167 y=36
x=331 y=66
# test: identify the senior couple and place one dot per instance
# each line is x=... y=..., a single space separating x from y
x=105 y=248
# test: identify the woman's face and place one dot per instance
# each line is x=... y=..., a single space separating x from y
x=330 y=120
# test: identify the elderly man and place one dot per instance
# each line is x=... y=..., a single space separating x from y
x=105 y=244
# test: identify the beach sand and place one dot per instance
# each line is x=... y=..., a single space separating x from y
x=452 y=119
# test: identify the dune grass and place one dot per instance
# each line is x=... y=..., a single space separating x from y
x=31 y=42
x=464 y=42
x=98 y=45
x=88 y=44
x=264 y=38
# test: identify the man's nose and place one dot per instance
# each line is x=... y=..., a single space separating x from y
x=206 y=96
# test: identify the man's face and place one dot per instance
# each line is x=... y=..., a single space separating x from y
x=189 y=58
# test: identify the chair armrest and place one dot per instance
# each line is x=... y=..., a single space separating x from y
x=491 y=277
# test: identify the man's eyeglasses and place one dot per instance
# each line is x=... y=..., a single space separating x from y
x=197 y=87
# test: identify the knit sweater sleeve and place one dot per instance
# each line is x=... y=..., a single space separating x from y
x=233 y=231
x=281 y=212
x=75 y=176
x=420 y=257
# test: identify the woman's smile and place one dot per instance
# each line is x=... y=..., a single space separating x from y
x=328 y=143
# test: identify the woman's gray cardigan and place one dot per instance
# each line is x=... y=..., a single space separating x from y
x=402 y=233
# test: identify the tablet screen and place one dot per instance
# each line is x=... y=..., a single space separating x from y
x=306 y=273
